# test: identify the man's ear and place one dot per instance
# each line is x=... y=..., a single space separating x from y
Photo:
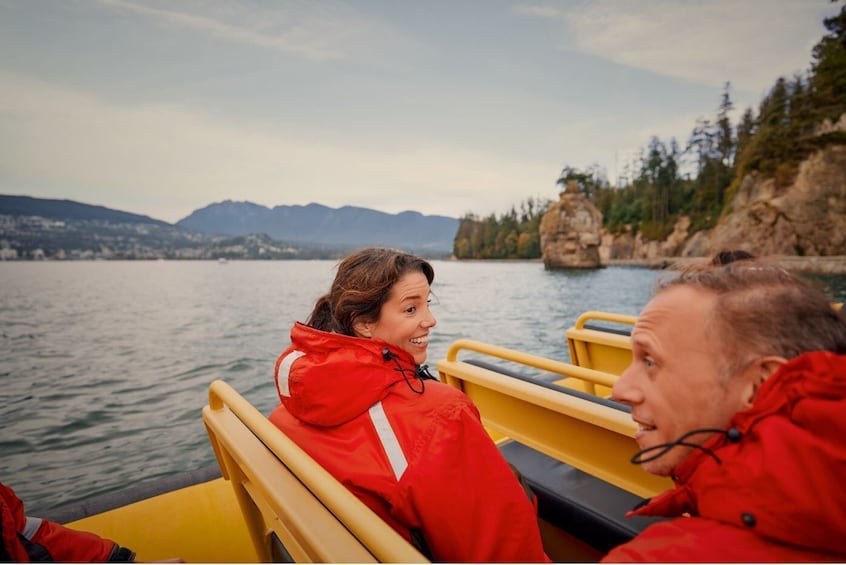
x=362 y=329
x=757 y=373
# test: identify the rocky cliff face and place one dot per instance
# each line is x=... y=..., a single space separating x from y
x=806 y=218
x=628 y=246
x=570 y=232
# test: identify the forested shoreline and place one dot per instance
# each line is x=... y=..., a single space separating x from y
x=793 y=120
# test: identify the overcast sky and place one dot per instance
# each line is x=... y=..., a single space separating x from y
x=444 y=107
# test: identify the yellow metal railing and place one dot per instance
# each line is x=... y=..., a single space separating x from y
x=282 y=490
x=591 y=436
x=595 y=349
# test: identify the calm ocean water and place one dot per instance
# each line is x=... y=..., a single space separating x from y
x=104 y=366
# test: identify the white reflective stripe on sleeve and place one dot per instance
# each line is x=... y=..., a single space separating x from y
x=32 y=525
x=388 y=439
x=285 y=370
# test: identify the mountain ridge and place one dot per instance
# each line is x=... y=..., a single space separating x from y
x=65 y=209
x=312 y=225
x=319 y=224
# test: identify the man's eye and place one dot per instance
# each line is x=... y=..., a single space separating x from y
x=410 y=310
x=650 y=362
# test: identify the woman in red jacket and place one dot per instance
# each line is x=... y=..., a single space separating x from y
x=33 y=539
x=355 y=396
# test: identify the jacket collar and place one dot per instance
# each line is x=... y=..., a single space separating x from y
x=784 y=476
x=334 y=378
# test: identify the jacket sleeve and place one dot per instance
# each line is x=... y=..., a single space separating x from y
x=69 y=545
x=34 y=539
x=696 y=539
x=465 y=496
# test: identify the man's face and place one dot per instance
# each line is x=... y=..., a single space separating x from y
x=674 y=383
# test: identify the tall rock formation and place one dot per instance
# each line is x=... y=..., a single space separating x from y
x=570 y=232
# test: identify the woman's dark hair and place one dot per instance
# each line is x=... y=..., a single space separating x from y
x=361 y=286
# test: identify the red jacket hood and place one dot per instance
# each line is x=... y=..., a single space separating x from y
x=333 y=378
x=784 y=477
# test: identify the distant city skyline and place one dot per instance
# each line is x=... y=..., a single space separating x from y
x=161 y=108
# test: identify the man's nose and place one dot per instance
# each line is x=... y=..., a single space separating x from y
x=625 y=389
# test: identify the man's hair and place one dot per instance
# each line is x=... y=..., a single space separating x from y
x=762 y=309
x=727 y=256
x=362 y=285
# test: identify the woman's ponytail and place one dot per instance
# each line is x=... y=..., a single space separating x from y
x=321 y=316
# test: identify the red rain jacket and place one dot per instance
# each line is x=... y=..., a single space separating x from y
x=34 y=539
x=414 y=451
x=779 y=493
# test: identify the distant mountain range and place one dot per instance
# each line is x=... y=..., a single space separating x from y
x=68 y=210
x=348 y=226
x=62 y=227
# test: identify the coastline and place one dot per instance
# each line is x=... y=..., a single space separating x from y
x=834 y=265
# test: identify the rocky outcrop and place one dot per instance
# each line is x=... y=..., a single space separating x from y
x=624 y=245
x=617 y=246
x=570 y=232
x=806 y=218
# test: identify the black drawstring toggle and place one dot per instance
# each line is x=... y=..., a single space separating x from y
x=733 y=435
x=639 y=458
x=421 y=373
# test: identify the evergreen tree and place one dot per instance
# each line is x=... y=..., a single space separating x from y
x=829 y=69
x=511 y=236
x=589 y=181
x=745 y=130
x=724 y=142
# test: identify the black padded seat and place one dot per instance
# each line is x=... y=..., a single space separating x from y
x=547 y=380
x=608 y=329
x=588 y=508
x=577 y=502
x=92 y=505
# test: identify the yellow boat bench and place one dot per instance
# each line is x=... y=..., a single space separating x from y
x=572 y=447
x=294 y=509
x=601 y=341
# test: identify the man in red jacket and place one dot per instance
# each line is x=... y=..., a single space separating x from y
x=33 y=539
x=738 y=387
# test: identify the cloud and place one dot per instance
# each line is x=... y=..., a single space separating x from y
x=317 y=31
x=165 y=161
x=539 y=11
x=749 y=43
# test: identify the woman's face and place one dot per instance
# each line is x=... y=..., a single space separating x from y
x=405 y=318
